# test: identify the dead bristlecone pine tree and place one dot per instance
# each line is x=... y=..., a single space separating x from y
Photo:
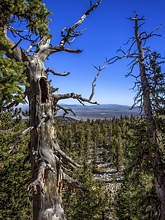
x=47 y=158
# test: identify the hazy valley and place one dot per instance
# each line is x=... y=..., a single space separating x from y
x=103 y=111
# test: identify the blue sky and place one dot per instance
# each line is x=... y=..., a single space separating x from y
x=107 y=28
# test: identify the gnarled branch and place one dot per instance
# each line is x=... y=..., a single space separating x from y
x=79 y=97
x=72 y=95
x=69 y=35
x=63 y=155
x=19 y=137
x=66 y=110
x=55 y=73
x=73 y=182
x=71 y=31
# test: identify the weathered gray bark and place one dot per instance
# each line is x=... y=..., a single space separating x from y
x=46 y=155
x=45 y=166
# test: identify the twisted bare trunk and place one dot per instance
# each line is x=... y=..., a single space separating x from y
x=45 y=165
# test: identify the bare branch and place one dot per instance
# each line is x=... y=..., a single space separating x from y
x=138 y=99
x=55 y=73
x=19 y=137
x=17 y=32
x=129 y=40
x=72 y=50
x=99 y=69
x=66 y=110
x=131 y=46
x=64 y=156
x=116 y=58
x=151 y=34
x=136 y=17
x=70 y=32
x=79 y=97
x=73 y=182
x=132 y=64
x=73 y=96
x=72 y=36
x=54 y=49
x=141 y=24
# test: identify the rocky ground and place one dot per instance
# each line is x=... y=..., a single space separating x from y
x=112 y=178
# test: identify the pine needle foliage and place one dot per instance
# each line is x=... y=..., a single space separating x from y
x=15 y=202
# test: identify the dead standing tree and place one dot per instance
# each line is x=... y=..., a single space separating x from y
x=140 y=57
x=46 y=156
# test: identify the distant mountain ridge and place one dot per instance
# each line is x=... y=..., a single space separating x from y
x=102 y=111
